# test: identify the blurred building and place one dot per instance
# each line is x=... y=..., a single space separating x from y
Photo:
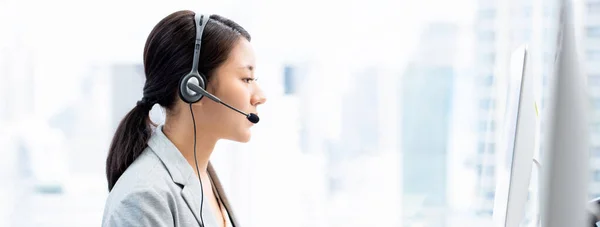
x=427 y=89
x=127 y=84
x=590 y=38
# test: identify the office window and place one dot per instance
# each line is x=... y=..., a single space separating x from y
x=549 y=59
x=485 y=212
x=487 y=36
x=593 y=55
x=289 y=80
x=593 y=31
x=486 y=104
x=489 y=58
x=542 y=105
x=595 y=151
x=487 y=80
x=549 y=11
x=526 y=12
x=594 y=80
x=521 y=35
x=485 y=148
x=522 y=11
x=489 y=171
x=487 y=14
x=545 y=33
x=485 y=126
x=596 y=176
x=593 y=7
x=595 y=128
x=596 y=103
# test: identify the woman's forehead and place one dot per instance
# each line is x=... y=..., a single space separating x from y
x=242 y=56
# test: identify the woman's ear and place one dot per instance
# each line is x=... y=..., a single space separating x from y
x=213 y=84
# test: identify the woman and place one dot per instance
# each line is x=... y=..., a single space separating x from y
x=154 y=173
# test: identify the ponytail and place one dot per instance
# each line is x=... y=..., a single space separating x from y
x=130 y=139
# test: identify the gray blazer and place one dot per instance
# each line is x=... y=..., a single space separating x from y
x=161 y=189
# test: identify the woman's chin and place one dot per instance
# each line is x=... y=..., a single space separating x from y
x=242 y=137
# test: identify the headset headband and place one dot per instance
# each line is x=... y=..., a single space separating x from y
x=200 y=22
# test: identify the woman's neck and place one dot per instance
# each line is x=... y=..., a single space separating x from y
x=181 y=133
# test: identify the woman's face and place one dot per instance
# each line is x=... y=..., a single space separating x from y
x=235 y=84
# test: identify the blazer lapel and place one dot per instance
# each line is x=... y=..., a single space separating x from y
x=179 y=169
x=221 y=193
x=191 y=196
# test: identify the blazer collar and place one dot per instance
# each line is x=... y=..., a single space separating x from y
x=176 y=164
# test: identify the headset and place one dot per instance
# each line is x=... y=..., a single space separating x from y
x=192 y=88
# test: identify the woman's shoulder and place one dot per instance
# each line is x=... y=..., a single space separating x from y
x=144 y=187
x=146 y=173
x=143 y=205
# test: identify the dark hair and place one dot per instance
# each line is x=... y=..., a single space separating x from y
x=168 y=56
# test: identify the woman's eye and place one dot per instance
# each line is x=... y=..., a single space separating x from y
x=249 y=79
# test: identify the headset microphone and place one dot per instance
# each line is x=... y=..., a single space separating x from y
x=194 y=87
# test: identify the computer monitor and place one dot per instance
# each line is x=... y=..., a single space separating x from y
x=565 y=152
x=516 y=144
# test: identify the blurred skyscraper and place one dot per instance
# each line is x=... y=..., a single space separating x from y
x=426 y=100
x=127 y=83
x=590 y=37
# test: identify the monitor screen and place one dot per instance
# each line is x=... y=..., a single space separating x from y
x=513 y=96
x=515 y=142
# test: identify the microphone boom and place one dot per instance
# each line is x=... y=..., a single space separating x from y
x=251 y=117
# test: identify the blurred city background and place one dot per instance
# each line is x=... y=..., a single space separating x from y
x=379 y=111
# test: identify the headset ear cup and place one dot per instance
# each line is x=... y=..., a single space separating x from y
x=186 y=94
x=202 y=81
